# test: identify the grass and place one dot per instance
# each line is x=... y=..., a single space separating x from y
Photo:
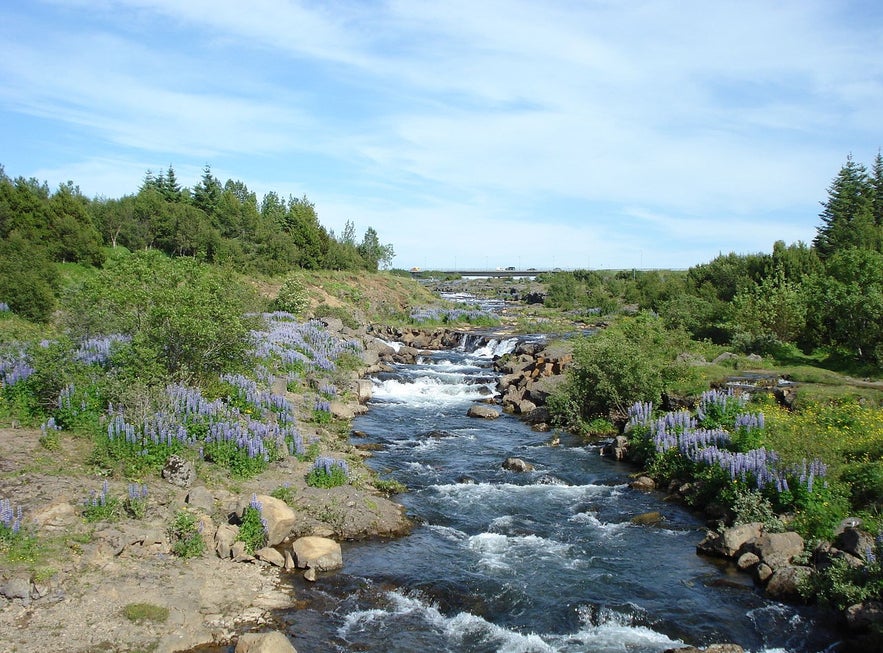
x=146 y=612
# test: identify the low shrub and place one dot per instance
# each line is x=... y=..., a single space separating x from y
x=328 y=473
x=185 y=535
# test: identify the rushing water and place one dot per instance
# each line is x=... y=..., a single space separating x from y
x=541 y=561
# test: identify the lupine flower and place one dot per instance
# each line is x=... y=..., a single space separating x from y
x=10 y=517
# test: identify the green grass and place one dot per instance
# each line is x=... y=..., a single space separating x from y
x=141 y=612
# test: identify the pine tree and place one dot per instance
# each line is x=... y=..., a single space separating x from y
x=207 y=193
x=171 y=189
x=847 y=217
x=877 y=186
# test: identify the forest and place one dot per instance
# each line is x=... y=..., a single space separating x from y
x=221 y=224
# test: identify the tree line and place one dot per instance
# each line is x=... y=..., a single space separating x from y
x=828 y=294
x=217 y=223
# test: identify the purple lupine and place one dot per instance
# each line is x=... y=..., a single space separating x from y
x=97 y=351
x=10 y=517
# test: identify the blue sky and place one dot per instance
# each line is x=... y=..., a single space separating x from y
x=568 y=133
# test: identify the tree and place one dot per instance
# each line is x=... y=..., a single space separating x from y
x=28 y=279
x=848 y=213
x=309 y=236
x=773 y=308
x=73 y=235
x=373 y=252
x=207 y=192
x=169 y=186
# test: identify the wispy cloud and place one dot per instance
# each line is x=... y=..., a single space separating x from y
x=584 y=123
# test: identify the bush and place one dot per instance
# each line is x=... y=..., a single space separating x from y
x=252 y=531
x=633 y=360
x=293 y=297
x=328 y=473
x=185 y=535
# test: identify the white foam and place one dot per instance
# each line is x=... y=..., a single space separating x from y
x=426 y=391
x=496 y=347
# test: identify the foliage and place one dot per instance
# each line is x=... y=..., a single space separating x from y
x=328 y=473
x=389 y=486
x=841 y=584
x=252 y=528
x=141 y=612
x=284 y=493
x=185 y=535
x=750 y=506
x=101 y=506
x=774 y=307
x=292 y=297
x=633 y=360
x=17 y=544
x=847 y=219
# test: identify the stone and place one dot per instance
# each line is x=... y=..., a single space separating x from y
x=271 y=556
x=643 y=483
x=225 y=536
x=201 y=498
x=785 y=582
x=318 y=553
x=278 y=517
x=517 y=465
x=855 y=542
x=862 y=616
x=617 y=449
x=762 y=572
x=747 y=561
x=17 y=587
x=482 y=411
x=342 y=410
x=57 y=516
x=647 y=519
x=728 y=543
x=776 y=546
x=364 y=391
x=239 y=553
x=289 y=561
x=272 y=642
x=179 y=471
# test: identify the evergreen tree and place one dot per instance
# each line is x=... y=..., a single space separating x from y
x=207 y=192
x=171 y=189
x=847 y=217
x=877 y=186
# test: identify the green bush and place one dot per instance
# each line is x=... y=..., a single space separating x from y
x=252 y=532
x=185 y=536
x=293 y=297
x=328 y=473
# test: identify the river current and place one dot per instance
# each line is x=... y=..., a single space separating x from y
x=547 y=560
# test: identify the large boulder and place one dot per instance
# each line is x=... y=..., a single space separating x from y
x=776 y=549
x=728 y=543
x=318 y=553
x=225 y=536
x=855 y=542
x=784 y=584
x=179 y=471
x=278 y=517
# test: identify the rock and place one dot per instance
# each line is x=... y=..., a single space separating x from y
x=17 y=587
x=341 y=410
x=617 y=449
x=57 y=516
x=225 y=536
x=862 y=616
x=762 y=572
x=278 y=517
x=517 y=465
x=179 y=471
x=271 y=556
x=647 y=518
x=747 y=561
x=319 y=553
x=289 y=561
x=239 y=553
x=364 y=391
x=728 y=543
x=201 y=498
x=643 y=483
x=711 y=648
x=855 y=542
x=310 y=575
x=726 y=356
x=482 y=411
x=776 y=547
x=784 y=584
x=273 y=642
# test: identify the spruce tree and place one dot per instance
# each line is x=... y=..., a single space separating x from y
x=847 y=217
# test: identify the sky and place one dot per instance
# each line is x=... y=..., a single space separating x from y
x=467 y=133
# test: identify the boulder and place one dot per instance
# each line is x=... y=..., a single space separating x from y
x=201 y=498
x=273 y=642
x=617 y=448
x=57 y=516
x=239 y=553
x=855 y=542
x=785 y=582
x=643 y=483
x=17 y=587
x=728 y=543
x=517 y=465
x=179 y=471
x=747 y=561
x=483 y=411
x=270 y=555
x=342 y=410
x=364 y=391
x=278 y=517
x=225 y=536
x=762 y=572
x=319 y=553
x=776 y=547
x=862 y=616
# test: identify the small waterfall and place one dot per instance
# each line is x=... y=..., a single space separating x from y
x=486 y=346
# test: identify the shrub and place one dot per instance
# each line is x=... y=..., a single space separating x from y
x=284 y=493
x=185 y=535
x=252 y=528
x=101 y=506
x=328 y=473
x=293 y=297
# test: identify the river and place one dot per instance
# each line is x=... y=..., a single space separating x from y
x=546 y=560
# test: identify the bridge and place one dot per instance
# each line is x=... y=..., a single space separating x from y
x=494 y=272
